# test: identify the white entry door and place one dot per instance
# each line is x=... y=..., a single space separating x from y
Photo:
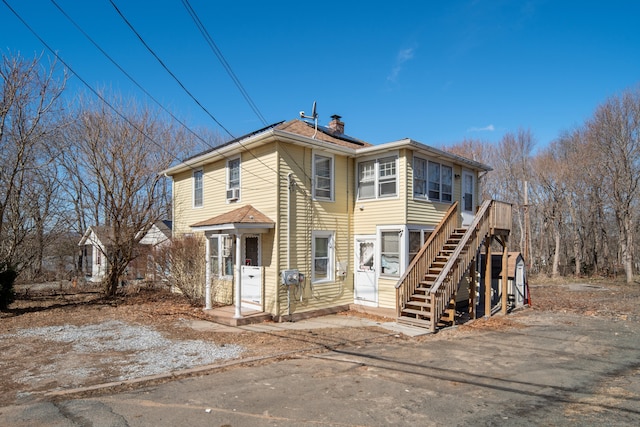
x=468 y=197
x=251 y=283
x=251 y=286
x=365 y=284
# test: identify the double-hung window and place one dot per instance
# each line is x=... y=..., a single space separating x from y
x=419 y=177
x=233 y=179
x=221 y=256
x=378 y=178
x=387 y=177
x=198 y=189
x=390 y=253
x=322 y=177
x=322 y=248
x=417 y=238
x=367 y=180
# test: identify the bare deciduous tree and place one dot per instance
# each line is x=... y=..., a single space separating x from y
x=29 y=114
x=614 y=139
x=114 y=163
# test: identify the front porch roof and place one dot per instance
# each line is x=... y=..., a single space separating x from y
x=246 y=219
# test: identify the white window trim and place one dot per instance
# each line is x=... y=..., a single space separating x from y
x=330 y=255
x=193 y=188
x=413 y=228
x=332 y=173
x=376 y=161
x=228 y=180
x=221 y=239
x=403 y=246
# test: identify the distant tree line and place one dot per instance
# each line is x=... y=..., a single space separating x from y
x=583 y=191
x=69 y=162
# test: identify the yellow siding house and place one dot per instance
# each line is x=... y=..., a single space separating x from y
x=301 y=218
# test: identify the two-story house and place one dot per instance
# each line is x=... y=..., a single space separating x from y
x=300 y=218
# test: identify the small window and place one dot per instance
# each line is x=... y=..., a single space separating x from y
x=214 y=257
x=415 y=243
x=323 y=177
x=198 y=190
x=322 y=249
x=227 y=250
x=367 y=180
x=233 y=180
x=234 y=173
x=390 y=253
x=434 y=181
x=447 y=184
x=221 y=256
x=419 y=177
x=417 y=239
x=387 y=177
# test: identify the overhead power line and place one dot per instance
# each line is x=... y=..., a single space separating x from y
x=214 y=47
x=167 y=68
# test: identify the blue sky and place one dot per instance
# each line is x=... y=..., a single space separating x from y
x=437 y=72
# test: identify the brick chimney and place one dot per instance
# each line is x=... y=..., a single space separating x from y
x=335 y=125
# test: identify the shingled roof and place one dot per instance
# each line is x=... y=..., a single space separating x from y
x=244 y=215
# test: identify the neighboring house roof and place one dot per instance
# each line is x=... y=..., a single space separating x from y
x=159 y=232
x=246 y=216
x=102 y=235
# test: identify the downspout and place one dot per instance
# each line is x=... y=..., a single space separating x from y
x=207 y=274
x=290 y=188
x=238 y=311
x=290 y=185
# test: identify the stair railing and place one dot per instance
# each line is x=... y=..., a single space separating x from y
x=447 y=281
x=421 y=263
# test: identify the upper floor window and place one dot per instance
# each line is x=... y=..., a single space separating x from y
x=198 y=190
x=322 y=177
x=233 y=179
x=432 y=180
x=378 y=178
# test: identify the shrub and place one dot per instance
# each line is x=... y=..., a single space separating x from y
x=185 y=261
x=7 y=277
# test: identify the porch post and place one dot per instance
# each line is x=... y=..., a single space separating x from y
x=487 y=278
x=473 y=289
x=207 y=274
x=238 y=313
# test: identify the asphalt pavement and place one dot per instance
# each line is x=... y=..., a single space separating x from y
x=560 y=369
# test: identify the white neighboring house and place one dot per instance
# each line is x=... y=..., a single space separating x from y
x=96 y=241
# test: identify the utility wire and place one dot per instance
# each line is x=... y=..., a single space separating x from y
x=94 y=91
x=184 y=125
x=222 y=59
x=167 y=68
x=183 y=87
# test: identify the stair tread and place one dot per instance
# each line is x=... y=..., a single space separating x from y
x=414 y=311
x=419 y=303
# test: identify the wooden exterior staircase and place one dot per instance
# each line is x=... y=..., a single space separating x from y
x=425 y=294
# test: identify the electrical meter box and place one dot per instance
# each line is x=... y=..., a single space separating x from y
x=290 y=277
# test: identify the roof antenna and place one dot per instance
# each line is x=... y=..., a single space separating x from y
x=313 y=116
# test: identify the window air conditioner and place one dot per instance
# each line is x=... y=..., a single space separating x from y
x=233 y=194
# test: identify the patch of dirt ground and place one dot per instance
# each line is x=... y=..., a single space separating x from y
x=57 y=337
